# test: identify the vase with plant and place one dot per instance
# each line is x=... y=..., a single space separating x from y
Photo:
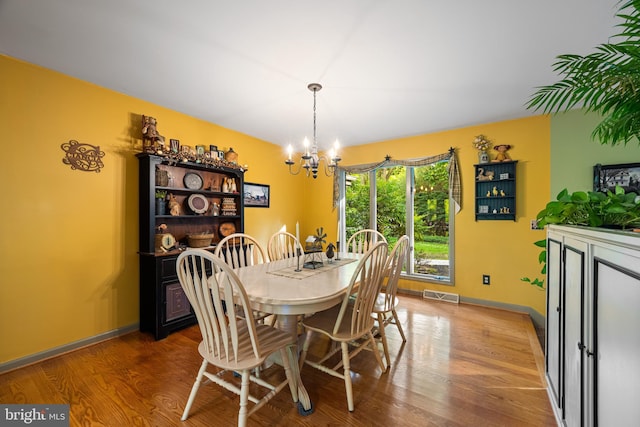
x=604 y=82
x=161 y=202
x=482 y=144
x=611 y=209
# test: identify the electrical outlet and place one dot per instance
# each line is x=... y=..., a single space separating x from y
x=486 y=279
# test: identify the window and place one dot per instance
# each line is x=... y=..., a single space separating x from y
x=412 y=200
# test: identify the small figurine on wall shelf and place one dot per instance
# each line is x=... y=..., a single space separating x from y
x=485 y=175
x=502 y=156
x=152 y=140
x=174 y=206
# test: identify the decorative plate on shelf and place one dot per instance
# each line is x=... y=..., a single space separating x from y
x=227 y=228
x=198 y=203
x=193 y=181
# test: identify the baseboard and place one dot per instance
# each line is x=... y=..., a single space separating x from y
x=57 y=351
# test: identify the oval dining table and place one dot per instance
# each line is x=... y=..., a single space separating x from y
x=288 y=289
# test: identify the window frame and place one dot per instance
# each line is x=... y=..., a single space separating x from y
x=409 y=200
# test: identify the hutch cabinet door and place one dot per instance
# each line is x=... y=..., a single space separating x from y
x=575 y=256
x=554 y=337
x=616 y=338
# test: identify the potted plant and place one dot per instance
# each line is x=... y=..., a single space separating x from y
x=161 y=197
x=613 y=209
x=604 y=82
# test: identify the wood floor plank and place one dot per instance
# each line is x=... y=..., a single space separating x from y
x=462 y=365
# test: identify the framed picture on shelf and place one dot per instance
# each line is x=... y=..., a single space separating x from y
x=256 y=195
x=626 y=175
x=174 y=145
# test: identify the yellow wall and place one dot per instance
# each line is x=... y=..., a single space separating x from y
x=502 y=249
x=68 y=260
x=69 y=239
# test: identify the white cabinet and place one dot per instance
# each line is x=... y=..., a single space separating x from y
x=593 y=326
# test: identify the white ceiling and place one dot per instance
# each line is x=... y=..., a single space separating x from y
x=389 y=68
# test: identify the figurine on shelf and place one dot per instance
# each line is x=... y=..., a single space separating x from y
x=225 y=185
x=485 y=176
x=174 y=206
x=502 y=156
x=232 y=185
x=215 y=209
x=152 y=140
x=494 y=191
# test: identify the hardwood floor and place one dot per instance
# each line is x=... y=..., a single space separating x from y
x=462 y=365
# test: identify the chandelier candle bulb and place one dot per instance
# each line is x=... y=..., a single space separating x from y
x=306 y=147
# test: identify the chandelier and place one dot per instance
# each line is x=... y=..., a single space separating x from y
x=310 y=161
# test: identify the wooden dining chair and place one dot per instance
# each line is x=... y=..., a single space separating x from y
x=283 y=245
x=230 y=343
x=351 y=320
x=386 y=302
x=241 y=250
x=361 y=241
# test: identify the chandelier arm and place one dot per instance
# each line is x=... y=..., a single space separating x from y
x=302 y=165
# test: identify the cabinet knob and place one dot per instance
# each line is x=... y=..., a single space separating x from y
x=580 y=346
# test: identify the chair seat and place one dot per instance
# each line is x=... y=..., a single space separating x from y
x=271 y=340
x=384 y=304
x=324 y=322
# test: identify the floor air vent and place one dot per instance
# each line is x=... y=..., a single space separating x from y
x=441 y=296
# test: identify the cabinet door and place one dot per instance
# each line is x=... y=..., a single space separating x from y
x=574 y=275
x=616 y=338
x=553 y=353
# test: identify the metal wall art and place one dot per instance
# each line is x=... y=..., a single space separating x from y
x=84 y=157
